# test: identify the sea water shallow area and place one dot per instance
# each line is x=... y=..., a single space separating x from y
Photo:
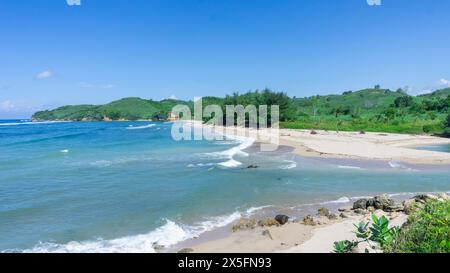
x=123 y=186
x=436 y=148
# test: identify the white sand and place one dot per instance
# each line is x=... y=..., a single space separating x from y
x=350 y=145
x=292 y=237
x=296 y=237
x=323 y=238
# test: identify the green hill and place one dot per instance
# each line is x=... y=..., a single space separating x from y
x=124 y=109
x=373 y=109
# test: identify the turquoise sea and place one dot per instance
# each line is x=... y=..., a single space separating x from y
x=124 y=186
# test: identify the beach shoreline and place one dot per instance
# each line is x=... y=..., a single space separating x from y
x=296 y=236
x=386 y=147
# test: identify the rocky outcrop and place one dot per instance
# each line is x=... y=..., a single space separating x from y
x=268 y=223
x=282 y=219
x=309 y=221
x=244 y=224
x=384 y=203
x=323 y=212
x=360 y=204
x=380 y=202
x=185 y=250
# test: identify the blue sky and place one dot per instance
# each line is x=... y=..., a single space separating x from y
x=52 y=54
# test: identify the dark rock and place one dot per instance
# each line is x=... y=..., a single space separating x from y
x=360 y=204
x=423 y=198
x=313 y=132
x=370 y=203
x=342 y=215
x=332 y=216
x=252 y=167
x=309 y=221
x=382 y=202
x=345 y=209
x=323 y=212
x=282 y=219
x=394 y=208
x=186 y=250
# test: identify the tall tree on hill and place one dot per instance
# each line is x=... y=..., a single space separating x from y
x=447 y=122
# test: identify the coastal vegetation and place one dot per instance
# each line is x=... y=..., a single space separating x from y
x=427 y=229
x=372 y=109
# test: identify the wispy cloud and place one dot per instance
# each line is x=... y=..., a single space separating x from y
x=374 y=2
x=445 y=82
x=96 y=86
x=19 y=108
x=44 y=75
x=73 y=2
x=7 y=106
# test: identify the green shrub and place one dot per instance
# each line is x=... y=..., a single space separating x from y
x=447 y=122
x=427 y=231
x=432 y=128
x=344 y=246
x=379 y=233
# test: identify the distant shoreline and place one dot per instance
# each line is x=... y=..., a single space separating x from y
x=345 y=145
x=386 y=147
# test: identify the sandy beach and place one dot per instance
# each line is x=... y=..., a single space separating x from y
x=316 y=233
x=349 y=145
x=298 y=237
x=295 y=236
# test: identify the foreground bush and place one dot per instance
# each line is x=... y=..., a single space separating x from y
x=427 y=231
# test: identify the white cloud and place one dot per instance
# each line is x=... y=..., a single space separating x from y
x=173 y=97
x=374 y=2
x=7 y=106
x=444 y=82
x=73 y=2
x=44 y=75
x=96 y=86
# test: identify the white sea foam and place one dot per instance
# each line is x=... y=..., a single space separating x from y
x=339 y=201
x=65 y=151
x=167 y=235
x=117 y=161
x=230 y=164
x=237 y=150
x=290 y=165
x=397 y=165
x=201 y=165
x=252 y=210
x=131 y=127
x=349 y=167
x=30 y=123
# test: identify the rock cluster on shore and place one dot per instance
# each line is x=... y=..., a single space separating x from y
x=360 y=209
x=363 y=206
x=384 y=203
